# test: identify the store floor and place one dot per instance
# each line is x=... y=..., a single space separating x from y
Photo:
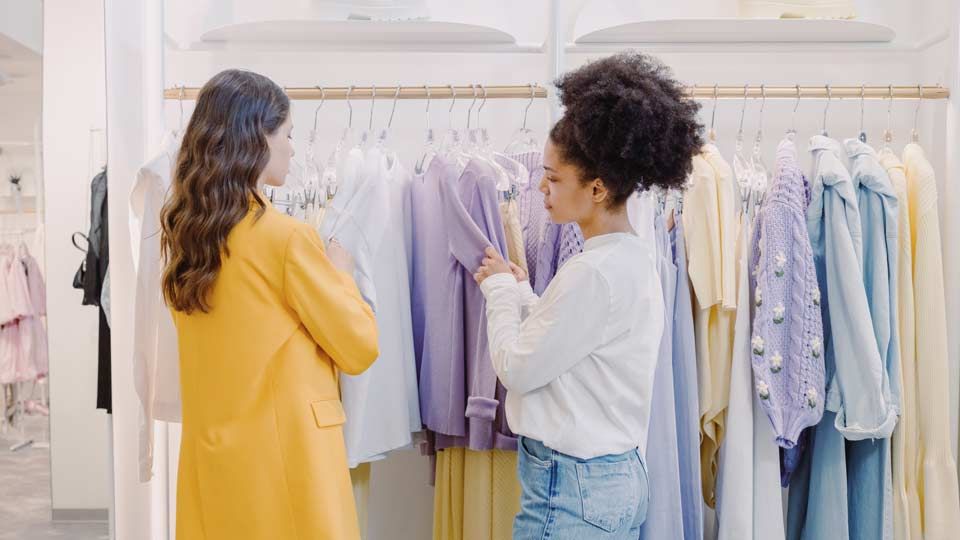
x=25 y=494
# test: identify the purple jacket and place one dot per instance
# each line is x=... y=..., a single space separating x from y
x=456 y=217
x=787 y=346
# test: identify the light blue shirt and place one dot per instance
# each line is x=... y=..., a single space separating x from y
x=858 y=388
x=870 y=472
x=665 y=510
x=859 y=337
x=687 y=394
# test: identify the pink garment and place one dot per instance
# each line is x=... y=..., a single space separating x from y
x=23 y=337
x=17 y=290
x=35 y=285
x=25 y=354
x=6 y=308
x=35 y=325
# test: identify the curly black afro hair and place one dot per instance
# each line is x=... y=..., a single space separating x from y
x=626 y=121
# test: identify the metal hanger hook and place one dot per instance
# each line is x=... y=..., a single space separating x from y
x=826 y=109
x=350 y=107
x=793 y=117
x=453 y=102
x=483 y=103
x=472 y=103
x=426 y=88
x=323 y=99
x=716 y=98
x=743 y=111
x=916 y=114
x=529 y=103
x=373 y=101
x=889 y=104
x=393 y=109
x=183 y=90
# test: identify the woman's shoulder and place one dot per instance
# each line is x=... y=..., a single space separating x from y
x=270 y=229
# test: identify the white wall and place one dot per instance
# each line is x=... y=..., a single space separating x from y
x=73 y=103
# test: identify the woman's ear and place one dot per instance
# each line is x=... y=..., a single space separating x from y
x=600 y=191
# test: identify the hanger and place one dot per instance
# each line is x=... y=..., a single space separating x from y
x=183 y=90
x=471 y=134
x=381 y=141
x=863 y=133
x=313 y=170
x=713 y=115
x=524 y=140
x=742 y=168
x=792 y=132
x=366 y=134
x=451 y=142
x=915 y=134
x=888 y=133
x=430 y=143
x=760 y=175
x=316 y=112
x=330 y=178
x=484 y=136
x=825 y=109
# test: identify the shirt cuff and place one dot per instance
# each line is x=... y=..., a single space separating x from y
x=525 y=288
x=497 y=282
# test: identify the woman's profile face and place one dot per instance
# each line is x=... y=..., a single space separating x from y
x=281 y=150
x=566 y=197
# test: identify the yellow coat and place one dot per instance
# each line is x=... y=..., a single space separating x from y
x=262 y=455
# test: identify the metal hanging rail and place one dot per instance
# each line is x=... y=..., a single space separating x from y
x=524 y=91
x=391 y=92
x=818 y=92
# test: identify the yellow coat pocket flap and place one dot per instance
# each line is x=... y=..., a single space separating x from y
x=328 y=413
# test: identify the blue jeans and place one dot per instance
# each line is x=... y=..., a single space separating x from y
x=565 y=498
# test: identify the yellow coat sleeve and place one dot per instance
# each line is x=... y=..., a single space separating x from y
x=329 y=304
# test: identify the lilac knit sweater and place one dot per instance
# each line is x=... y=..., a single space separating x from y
x=787 y=341
x=548 y=245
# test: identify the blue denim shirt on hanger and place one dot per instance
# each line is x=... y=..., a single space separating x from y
x=859 y=401
x=870 y=482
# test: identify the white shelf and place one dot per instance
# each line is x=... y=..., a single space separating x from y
x=732 y=30
x=384 y=36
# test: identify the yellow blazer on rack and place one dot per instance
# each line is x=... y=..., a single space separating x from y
x=263 y=455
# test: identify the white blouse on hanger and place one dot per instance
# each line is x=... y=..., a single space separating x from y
x=156 y=359
x=381 y=404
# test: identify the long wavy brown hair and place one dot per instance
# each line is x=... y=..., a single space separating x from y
x=223 y=154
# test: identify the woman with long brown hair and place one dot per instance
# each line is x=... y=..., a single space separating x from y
x=265 y=317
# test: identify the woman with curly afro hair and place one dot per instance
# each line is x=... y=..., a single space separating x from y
x=578 y=364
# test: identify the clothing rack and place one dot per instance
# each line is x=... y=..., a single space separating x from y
x=524 y=91
x=391 y=92
x=817 y=92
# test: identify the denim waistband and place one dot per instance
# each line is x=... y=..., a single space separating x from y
x=541 y=451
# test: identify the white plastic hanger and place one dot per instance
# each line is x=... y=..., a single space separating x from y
x=825 y=110
x=742 y=169
x=524 y=139
x=914 y=134
x=430 y=144
x=760 y=176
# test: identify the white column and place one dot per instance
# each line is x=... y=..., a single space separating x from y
x=134 y=62
x=73 y=105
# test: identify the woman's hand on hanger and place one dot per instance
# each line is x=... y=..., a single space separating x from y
x=492 y=264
